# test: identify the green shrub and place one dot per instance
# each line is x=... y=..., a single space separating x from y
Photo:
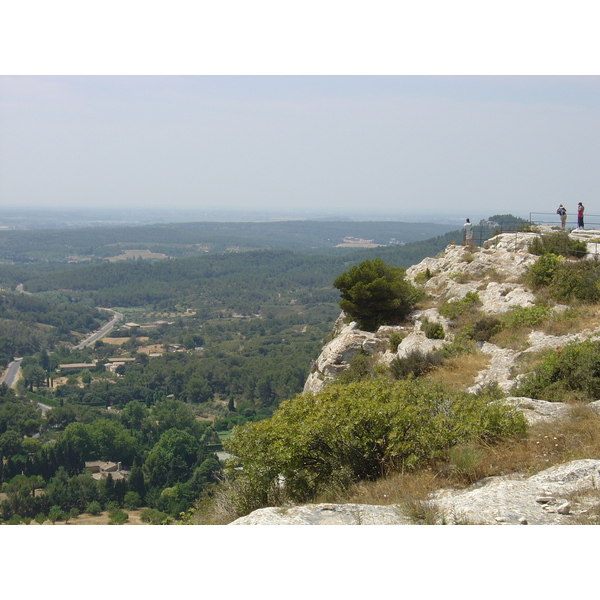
x=577 y=280
x=432 y=330
x=483 y=329
x=566 y=280
x=132 y=500
x=542 y=272
x=93 y=508
x=452 y=309
x=56 y=514
x=375 y=293
x=526 y=316
x=423 y=276
x=360 y=367
x=558 y=243
x=567 y=374
x=362 y=431
x=40 y=518
x=117 y=517
x=463 y=343
x=395 y=340
x=155 y=517
x=415 y=364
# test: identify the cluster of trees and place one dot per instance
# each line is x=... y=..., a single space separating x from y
x=260 y=361
x=165 y=446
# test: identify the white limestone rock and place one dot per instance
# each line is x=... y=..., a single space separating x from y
x=538 y=411
x=418 y=341
x=336 y=355
x=326 y=514
x=510 y=499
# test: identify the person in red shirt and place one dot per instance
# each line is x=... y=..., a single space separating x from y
x=580 y=209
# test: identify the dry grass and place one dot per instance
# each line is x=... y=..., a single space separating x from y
x=547 y=444
x=459 y=373
x=513 y=338
x=575 y=320
x=152 y=349
x=527 y=362
x=589 y=503
x=493 y=275
x=101 y=519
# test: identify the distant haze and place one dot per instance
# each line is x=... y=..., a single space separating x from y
x=397 y=147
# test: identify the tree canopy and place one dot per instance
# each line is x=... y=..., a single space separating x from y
x=375 y=293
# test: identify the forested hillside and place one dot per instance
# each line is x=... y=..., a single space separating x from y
x=207 y=342
x=186 y=239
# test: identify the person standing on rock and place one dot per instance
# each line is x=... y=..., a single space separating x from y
x=580 y=209
x=468 y=229
x=561 y=211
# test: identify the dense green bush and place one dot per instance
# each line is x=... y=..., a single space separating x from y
x=483 y=329
x=432 y=330
x=155 y=517
x=375 y=293
x=415 y=364
x=542 y=272
x=452 y=309
x=566 y=280
x=570 y=373
x=117 y=517
x=361 y=431
x=526 y=316
x=359 y=367
x=558 y=243
x=93 y=508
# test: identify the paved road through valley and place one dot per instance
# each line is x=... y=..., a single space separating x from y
x=11 y=373
x=102 y=331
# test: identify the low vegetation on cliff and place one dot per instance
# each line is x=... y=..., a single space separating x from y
x=361 y=431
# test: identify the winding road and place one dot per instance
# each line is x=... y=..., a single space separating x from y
x=11 y=375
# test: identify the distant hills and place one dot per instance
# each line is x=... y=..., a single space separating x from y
x=179 y=240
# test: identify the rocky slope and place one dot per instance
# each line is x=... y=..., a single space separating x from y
x=559 y=495
x=494 y=273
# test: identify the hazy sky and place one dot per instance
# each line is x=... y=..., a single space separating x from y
x=407 y=145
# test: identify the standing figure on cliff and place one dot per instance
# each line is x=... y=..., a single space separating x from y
x=561 y=211
x=580 y=209
x=468 y=229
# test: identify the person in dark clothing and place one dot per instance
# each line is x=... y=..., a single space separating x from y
x=561 y=211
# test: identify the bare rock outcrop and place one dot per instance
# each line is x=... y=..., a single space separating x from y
x=326 y=514
x=335 y=356
x=552 y=497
